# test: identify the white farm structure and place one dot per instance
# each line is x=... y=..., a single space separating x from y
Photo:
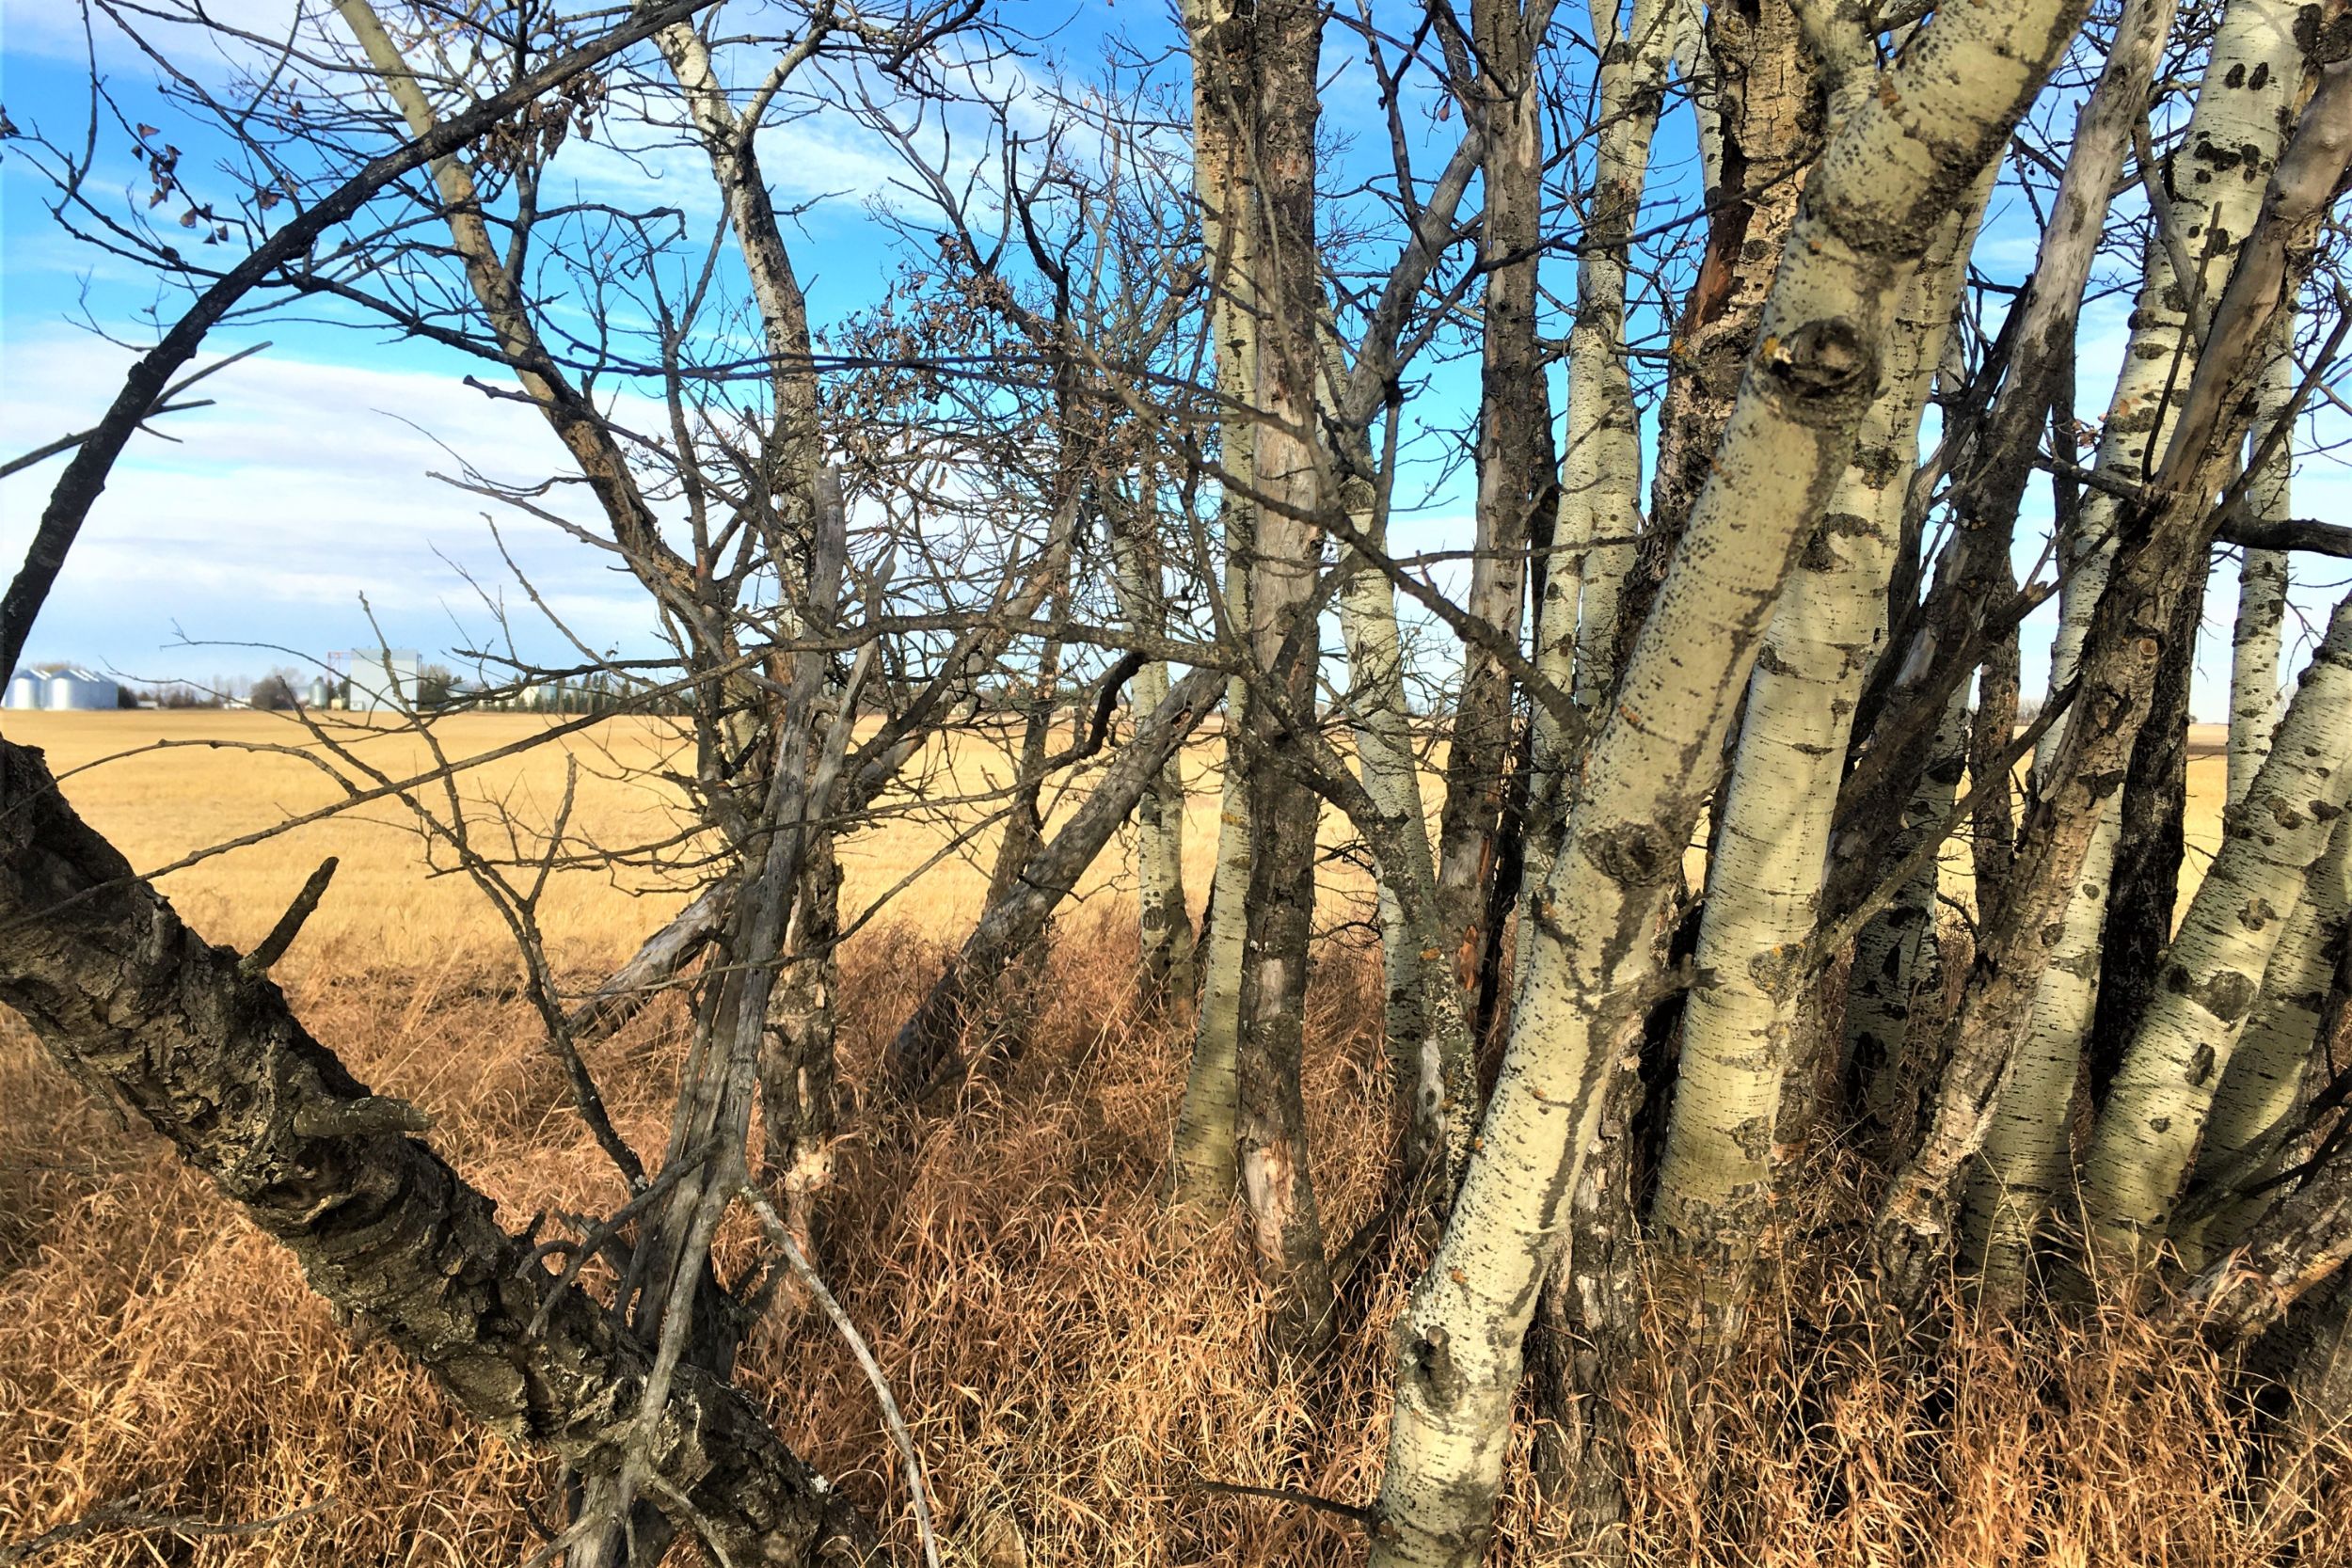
x=374 y=680
x=64 y=688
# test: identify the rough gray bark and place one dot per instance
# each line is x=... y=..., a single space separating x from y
x=131 y=1002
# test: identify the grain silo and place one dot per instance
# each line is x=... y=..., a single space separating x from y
x=23 y=691
x=70 y=689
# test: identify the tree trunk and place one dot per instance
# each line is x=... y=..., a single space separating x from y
x=1514 y=457
x=1601 y=460
x=1769 y=114
x=1428 y=1035
x=1164 y=920
x=126 y=997
x=1203 y=1169
x=1771 y=839
x=2156 y=1111
x=2260 y=1103
x=2261 y=604
x=2143 y=889
x=1898 y=955
x=1943 y=113
x=926 y=1045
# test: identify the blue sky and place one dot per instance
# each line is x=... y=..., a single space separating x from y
x=308 y=486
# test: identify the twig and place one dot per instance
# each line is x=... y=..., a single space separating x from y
x=918 y=1480
x=273 y=946
x=129 y=1517
x=1368 y=1517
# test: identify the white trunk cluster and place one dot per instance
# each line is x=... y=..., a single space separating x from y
x=2235 y=134
x=1872 y=209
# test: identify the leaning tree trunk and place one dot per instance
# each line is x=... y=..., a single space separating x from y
x=1944 y=112
x=129 y=1000
x=2155 y=1114
x=1015 y=917
x=2258 y=1106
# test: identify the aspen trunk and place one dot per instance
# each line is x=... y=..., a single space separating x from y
x=1893 y=175
x=1898 y=954
x=2024 y=1156
x=2261 y=604
x=1768 y=129
x=2156 y=1112
x=796 y=1063
x=1513 y=456
x=1164 y=921
x=2259 y=1103
x=1771 y=841
x=1255 y=69
x=1203 y=1172
x=1427 y=1031
x=2144 y=885
x=1599 y=511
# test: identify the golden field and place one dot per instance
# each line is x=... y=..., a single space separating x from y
x=165 y=784
x=1072 y=1372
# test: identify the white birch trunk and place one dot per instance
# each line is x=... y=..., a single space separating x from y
x=1600 y=459
x=1772 y=847
x=2256 y=1110
x=2262 y=603
x=1871 y=211
x=2156 y=1111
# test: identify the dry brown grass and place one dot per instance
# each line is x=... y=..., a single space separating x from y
x=1068 y=1370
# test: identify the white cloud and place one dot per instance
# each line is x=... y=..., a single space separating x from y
x=304 y=488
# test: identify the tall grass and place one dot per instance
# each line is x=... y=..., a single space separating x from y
x=1073 y=1376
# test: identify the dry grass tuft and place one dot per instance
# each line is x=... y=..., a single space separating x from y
x=1070 y=1370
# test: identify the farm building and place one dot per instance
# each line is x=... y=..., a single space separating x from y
x=371 y=680
x=64 y=686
